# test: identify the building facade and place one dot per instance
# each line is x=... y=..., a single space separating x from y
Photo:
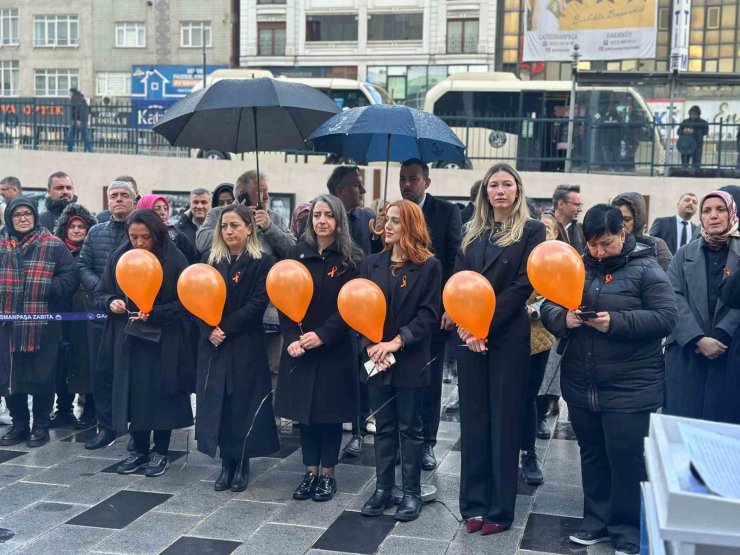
x=47 y=46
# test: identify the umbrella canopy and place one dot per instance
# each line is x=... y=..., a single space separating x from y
x=247 y=115
x=388 y=132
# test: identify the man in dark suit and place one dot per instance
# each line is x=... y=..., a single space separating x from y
x=466 y=214
x=678 y=230
x=444 y=224
x=567 y=205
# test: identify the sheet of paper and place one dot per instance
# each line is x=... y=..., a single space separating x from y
x=716 y=458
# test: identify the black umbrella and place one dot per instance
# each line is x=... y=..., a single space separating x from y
x=247 y=115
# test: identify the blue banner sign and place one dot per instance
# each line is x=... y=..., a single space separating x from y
x=162 y=82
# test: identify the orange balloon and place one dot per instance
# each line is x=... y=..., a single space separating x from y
x=139 y=274
x=202 y=291
x=361 y=304
x=556 y=272
x=470 y=301
x=290 y=288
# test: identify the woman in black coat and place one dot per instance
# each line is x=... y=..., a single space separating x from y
x=701 y=373
x=233 y=374
x=494 y=371
x=317 y=385
x=37 y=273
x=612 y=373
x=153 y=370
x=411 y=281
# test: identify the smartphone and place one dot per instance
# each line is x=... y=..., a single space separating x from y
x=244 y=199
x=586 y=315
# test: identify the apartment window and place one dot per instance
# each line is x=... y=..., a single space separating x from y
x=55 y=30
x=9 y=27
x=113 y=84
x=713 y=17
x=462 y=36
x=194 y=33
x=54 y=82
x=333 y=28
x=664 y=18
x=394 y=26
x=271 y=39
x=270 y=2
x=9 y=78
x=130 y=34
x=510 y=51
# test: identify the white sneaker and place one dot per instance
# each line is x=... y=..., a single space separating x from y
x=5 y=419
x=370 y=426
x=347 y=427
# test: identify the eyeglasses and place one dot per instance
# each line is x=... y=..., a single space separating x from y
x=23 y=215
x=576 y=204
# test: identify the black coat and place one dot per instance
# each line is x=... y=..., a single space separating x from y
x=506 y=269
x=54 y=209
x=666 y=229
x=151 y=381
x=321 y=385
x=699 y=387
x=413 y=308
x=466 y=214
x=729 y=293
x=237 y=368
x=444 y=224
x=187 y=227
x=621 y=370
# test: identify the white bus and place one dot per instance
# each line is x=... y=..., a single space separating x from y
x=501 y=118
x=347 y=93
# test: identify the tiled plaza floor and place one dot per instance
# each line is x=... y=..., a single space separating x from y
x=61 y=498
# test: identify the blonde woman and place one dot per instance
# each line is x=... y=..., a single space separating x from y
x=233 y=373
x=493 y=371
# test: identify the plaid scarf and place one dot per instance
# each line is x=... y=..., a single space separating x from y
x=26 y=272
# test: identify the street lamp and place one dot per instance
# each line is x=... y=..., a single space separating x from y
x=575 y=55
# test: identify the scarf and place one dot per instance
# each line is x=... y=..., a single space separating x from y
x=148 y=201
x=26 y=272
x=74 y=246
x=717 y=240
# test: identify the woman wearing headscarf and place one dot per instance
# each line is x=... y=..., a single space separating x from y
x=234 y=401
x=74 y=368
x=223 y=195
x=632 y=206
x=493 y=371
x=299 y=219
x=153 y=364
x=698 y=351
x=160 y=205
x=318 y=385
x=410 y=278
x=37 y=273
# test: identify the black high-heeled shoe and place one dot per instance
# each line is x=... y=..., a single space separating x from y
x=241 y=476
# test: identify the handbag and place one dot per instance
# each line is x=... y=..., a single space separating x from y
x=143 y=330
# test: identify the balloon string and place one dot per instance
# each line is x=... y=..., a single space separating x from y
x=208 y=372
x=254 y=419
x=396 y=395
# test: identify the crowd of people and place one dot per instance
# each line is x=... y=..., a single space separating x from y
x=658 y=329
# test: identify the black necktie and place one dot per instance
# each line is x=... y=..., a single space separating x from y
x=684 y=234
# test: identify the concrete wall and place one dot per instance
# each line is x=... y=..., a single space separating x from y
x=91 y=172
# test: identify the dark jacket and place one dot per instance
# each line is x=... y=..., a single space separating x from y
x=184 y=245
x=54 y=209
x=413 y=300
x=187 y=227
x=79 y=110
x=234 y=377
x=321 y=385
x=665 y=228
x=636 y=204
x=101 y=240
x=700 y=127
x=444 y=224
x=103 y=216
x=573 y=236
x=151 y=380
x=729 y=293
x=621 y=370
x=359 y=228
x=466 y=214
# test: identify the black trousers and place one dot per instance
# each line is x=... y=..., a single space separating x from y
x=143 y=438
x=102 y=378
x=359 y=424
x=537 y=365
x=432 y=401
x=65 y=399
x=400 y=417
x=320 y=444
x=18 y=407
x=612 y=467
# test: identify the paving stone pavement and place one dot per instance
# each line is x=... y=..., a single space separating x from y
x=62 y=498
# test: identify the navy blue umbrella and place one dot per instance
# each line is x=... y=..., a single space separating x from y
x=388 y=132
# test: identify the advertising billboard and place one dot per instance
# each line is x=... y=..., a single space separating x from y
x=603 y=29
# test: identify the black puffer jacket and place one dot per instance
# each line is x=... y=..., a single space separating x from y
x=101 y=240
x=621 y=370
x=54 y=209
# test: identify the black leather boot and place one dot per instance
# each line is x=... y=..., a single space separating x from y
x=409 y=509
x=223 y=482
x=104 y=438
x=39 y=437
x=17 y=433
x=241 y=476
x=381 y=500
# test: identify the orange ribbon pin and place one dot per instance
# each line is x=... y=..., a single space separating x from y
x=608 y=279
x=332 y=272
x=403 y=281
x=236 y=277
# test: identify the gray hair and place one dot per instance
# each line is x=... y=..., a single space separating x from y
x=200 y=191
x=122 y=185
x=350 y=254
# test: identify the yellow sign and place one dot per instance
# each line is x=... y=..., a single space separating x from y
x=584 y=15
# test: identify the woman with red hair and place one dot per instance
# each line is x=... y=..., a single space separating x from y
x=410 y=278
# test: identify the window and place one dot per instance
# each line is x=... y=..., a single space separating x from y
x=130 y=35
x=392 y=26
x=510 y=42
x=332 y=28
x=462 y=36
x=9 y=78
x=194 y=33
x=664 y=18
x=55 y=30
x=54 y=82
x=270 y=2
x=713 y=17
x=271 y=38
x=9 y=26
x=113 y=84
